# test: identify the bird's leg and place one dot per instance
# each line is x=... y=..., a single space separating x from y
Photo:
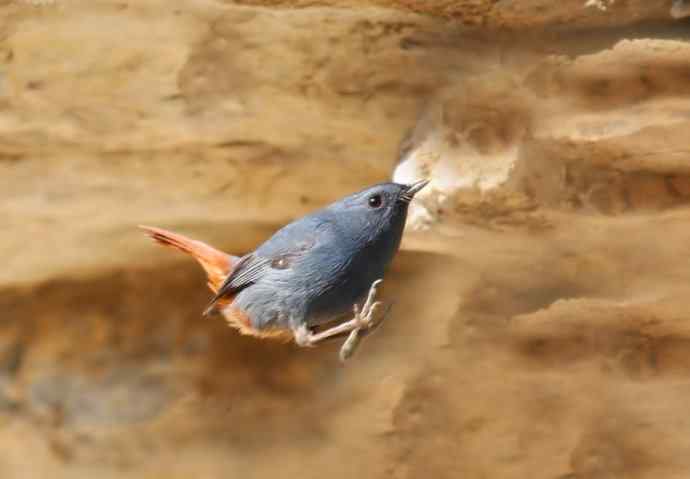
x=363 y=320
x=364 y=331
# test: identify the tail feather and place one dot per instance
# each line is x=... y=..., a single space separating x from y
x=216 y=263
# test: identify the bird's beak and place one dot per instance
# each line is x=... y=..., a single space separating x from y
x=413 y=189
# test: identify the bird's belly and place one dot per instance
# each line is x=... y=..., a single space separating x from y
x=312 y=299
x=266 y=307
x=241 y=321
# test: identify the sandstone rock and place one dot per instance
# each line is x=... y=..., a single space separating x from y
x=540 y=323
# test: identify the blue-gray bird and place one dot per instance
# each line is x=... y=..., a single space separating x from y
x=311 y=272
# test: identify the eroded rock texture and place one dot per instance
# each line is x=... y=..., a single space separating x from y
x=541 y=325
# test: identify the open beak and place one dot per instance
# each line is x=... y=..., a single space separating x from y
x=413 y=189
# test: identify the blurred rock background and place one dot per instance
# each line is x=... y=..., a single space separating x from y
x=541 y=326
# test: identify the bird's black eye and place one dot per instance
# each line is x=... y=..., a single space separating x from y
x=375 y=201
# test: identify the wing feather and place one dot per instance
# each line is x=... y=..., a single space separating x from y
x=249 y=269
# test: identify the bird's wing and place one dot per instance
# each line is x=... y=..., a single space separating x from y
x=279 y=252
x=249 y=269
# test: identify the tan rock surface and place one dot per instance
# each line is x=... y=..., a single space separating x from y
x=541 y=325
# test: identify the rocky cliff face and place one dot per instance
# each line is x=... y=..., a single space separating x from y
x=542 y=311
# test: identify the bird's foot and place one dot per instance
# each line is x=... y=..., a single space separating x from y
x=356 y=335
x=363 y=323
x=365 y=318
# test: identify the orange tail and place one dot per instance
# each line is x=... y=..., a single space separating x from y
x=216 y=263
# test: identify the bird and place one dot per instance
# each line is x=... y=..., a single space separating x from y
x=310 y=273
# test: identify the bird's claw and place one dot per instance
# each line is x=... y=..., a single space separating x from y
x=364 y=318
x=364 y=321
